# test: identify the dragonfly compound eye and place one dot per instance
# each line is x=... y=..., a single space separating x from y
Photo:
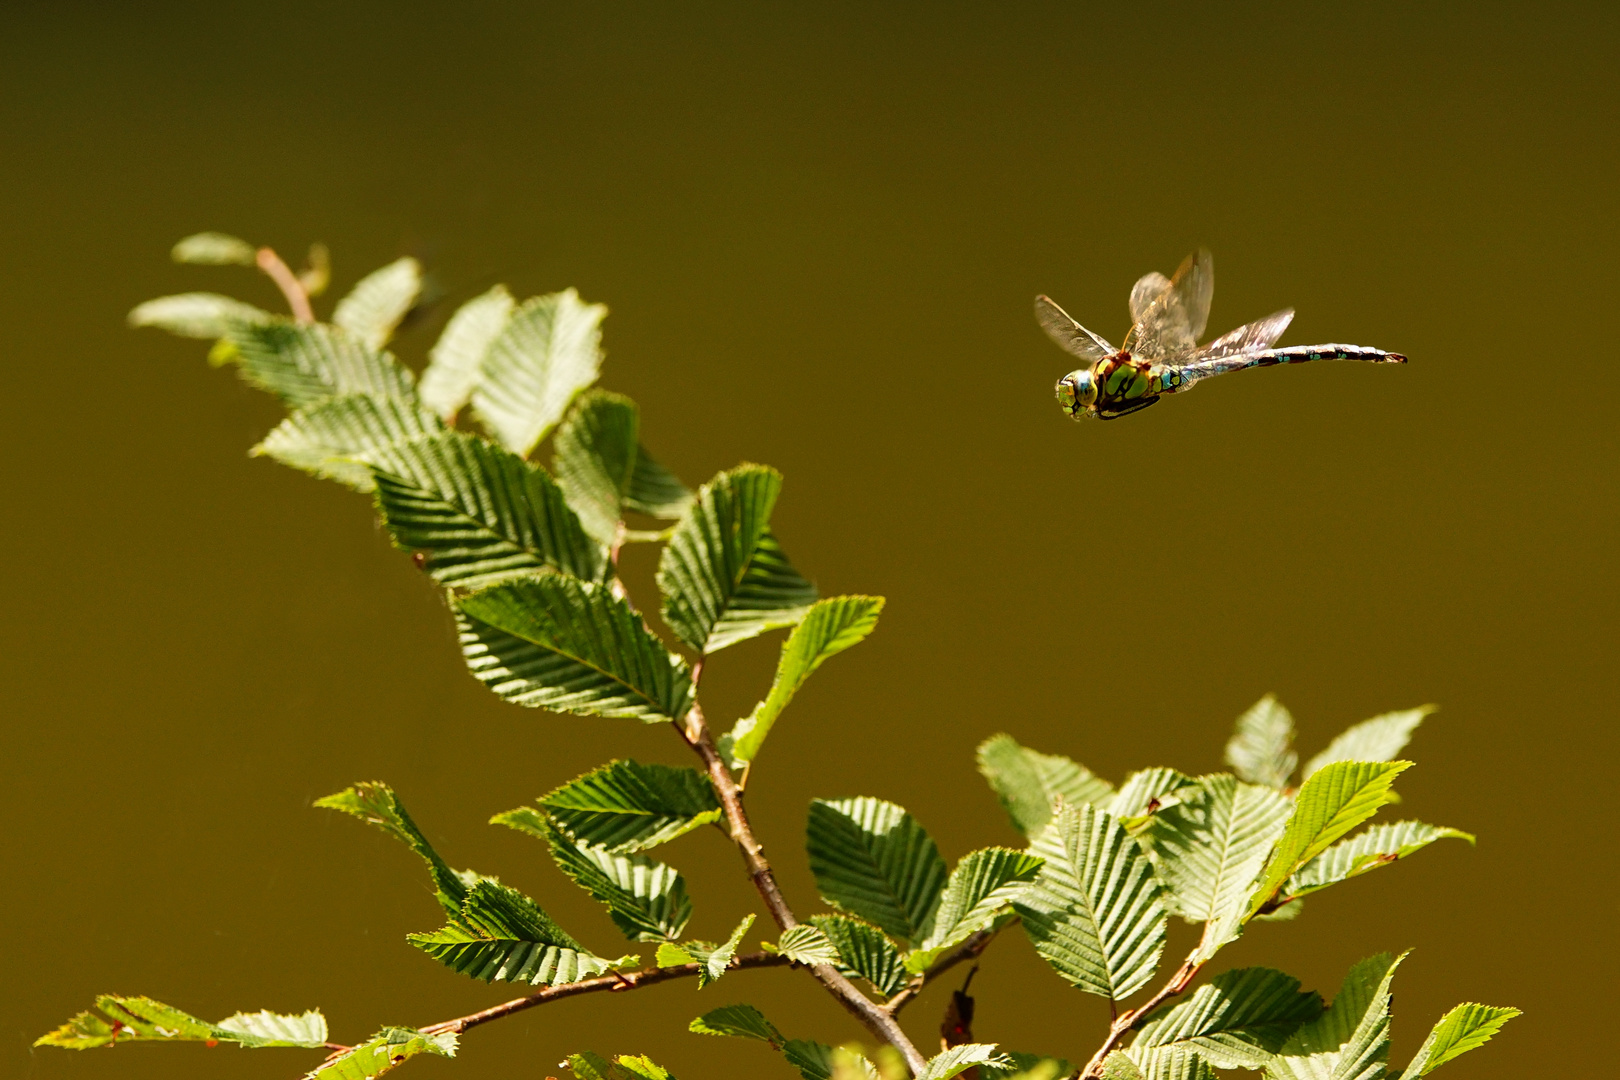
x=1077 y=392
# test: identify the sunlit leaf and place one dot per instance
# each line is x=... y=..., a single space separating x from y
x=807 y=944
x=124 y=1018
x=983 y=884
x=339 y=437
x=958 y=1059
x=739 y=1021
x=872 y=859
x=214 y=249
x=502 y=935
x=596 y=459
x=723 y=576
x=1350 y=1041
x=865 y=952
x=1238 y=1020
x=379 y=301
x=382 y=1052
x=456 y=360
x=1261 y=750
x=1377 y=846
x=828 y=628
x=208 y=316
x=1467 y=1027
x=713 y=959
x=1378 y=739
x=570 y=646
x=305 y=364
x=626 y=806
x=548 y=350
x=1094 y=912
x=1026 y=782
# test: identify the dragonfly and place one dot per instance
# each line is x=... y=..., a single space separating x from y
x=1161 y=354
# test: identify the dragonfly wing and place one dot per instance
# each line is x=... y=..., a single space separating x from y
x=1250 y=337
x=1170 y=313
x=1069 y=334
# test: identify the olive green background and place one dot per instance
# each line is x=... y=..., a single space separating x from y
x=819 y=228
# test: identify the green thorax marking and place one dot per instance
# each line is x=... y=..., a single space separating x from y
x=1121 y=378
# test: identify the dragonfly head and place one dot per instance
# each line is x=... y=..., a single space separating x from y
x=1077 y=393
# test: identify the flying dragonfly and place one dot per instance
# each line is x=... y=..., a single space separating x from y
x=1161 y=354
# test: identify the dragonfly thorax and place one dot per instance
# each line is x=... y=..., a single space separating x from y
x=1077 y=392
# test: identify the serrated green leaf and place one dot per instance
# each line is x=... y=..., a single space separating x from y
x=477 y=513
x=655 y=491
x=626 y=806
x=1209 y=847
x=1117 y=1066
x=646 y=899
x=337 y=438
x=1331 y=803
x=723 y=576
x=1467 y=1027
x=865 y=952
x=1094 y=912
x=457 y=358
x=214 y=249
x=813 y=1060
x=382 y=1052
x=571 y=646
x=1350 y=1041
x=738 y=1021
x=1026 y=782
x=712 y=958
x=208 y=316
x=983 y=884
x=807 y=944
x=1238 y=1020
x=1378 y=739
x=1261 y=750
x=595 y=459
x=872 y=859
x=1164 y=1063
x=376 y=804
x=1377 y=846
x=377 y=303
x=1143 y=792
x=828 y=628
x=1028 y=1067
x=548 y=350
x=624 y=1067
x=125 y=1018
x=304 y=364
x=502 y=935
x=958 y=1059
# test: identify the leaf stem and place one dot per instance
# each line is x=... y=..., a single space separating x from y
x=879 y=1021
x=287 y=281
x=971 y=949
x=1178 y=982
x=616 y=982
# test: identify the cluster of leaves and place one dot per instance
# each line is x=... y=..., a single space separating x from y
x=527 y=559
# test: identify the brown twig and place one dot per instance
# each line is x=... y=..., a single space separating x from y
x=616 y=982
x=1122 y=1023
x=971 y=949
x=874 y=1017
x=287 y=281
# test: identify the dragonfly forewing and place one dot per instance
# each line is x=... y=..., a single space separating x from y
x=1171 y=313
x=1069 y=334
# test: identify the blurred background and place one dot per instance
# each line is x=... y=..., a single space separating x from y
x=819 y=228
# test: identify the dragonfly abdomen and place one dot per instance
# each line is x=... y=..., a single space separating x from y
x=1299 y=354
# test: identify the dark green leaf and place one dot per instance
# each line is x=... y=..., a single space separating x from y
x=646 y=899
x=478 y=513
x=1238 y=1020
x=304 y=364
x=740 y=1021
x=570 y=646
x=866 y=952
x=595 y=458
x=723 y=576
x=627 y=806
x=1350 y=1041
x=503 y=935
x=655 y=491
x=872 y=859
x=376 y=804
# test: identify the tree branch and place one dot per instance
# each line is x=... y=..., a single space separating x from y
x=617 y=982
x=1122 y=1023
x=287 y=281
x=874 y=1017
